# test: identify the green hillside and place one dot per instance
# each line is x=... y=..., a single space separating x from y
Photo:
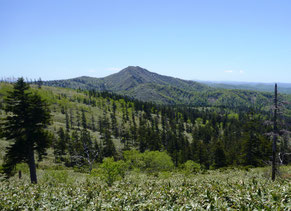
x=181 y=131
x=143 y=85
x=138 y=83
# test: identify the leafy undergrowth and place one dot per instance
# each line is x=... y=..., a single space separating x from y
x=214 y=190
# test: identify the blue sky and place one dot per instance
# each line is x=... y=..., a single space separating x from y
x=221 y=40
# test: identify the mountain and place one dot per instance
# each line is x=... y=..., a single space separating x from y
x=127 y=79
x=263 y=87
x=131 y=77
x=139 y=83
x=144 y=85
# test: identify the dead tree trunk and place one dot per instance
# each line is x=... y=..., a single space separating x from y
x=275 y=135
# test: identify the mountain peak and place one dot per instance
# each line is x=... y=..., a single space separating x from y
x=134 y=69
x=129 y=77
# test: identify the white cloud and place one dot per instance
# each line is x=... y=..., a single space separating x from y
x=235 y=71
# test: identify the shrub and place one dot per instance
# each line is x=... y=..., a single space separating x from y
x=111 y=170
x=151 y=161
x=190 y=167
x=95 y=172
x=134 y=159
x=157 y=161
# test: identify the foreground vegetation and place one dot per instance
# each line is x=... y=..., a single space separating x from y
x=213 y=190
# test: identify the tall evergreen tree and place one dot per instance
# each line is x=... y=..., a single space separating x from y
x=84 y=120
x=67 y=122
x=219 y=159
x=255 y=147
x=109 y=147
x=60 y=145
x=29 y=116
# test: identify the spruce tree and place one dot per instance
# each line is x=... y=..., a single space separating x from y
x=109 y=147
x=67 y=122
x=60 y=145
x=28 y=116
x=219 y=155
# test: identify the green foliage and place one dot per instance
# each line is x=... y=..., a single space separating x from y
x=157 y=161
x=190 y=167
x=151 y=161
x=111 y=170
x=255 y=147
x=109 y=147
x=134 y=159
x=219 y=156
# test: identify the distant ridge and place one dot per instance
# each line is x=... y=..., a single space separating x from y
x=144 y=85
x=255 y=86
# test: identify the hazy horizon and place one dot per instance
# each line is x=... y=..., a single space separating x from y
x=13 y=78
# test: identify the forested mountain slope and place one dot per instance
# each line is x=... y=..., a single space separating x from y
x=127 y=79
x=108 y=124
x=138 y=83
x=143 y=85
